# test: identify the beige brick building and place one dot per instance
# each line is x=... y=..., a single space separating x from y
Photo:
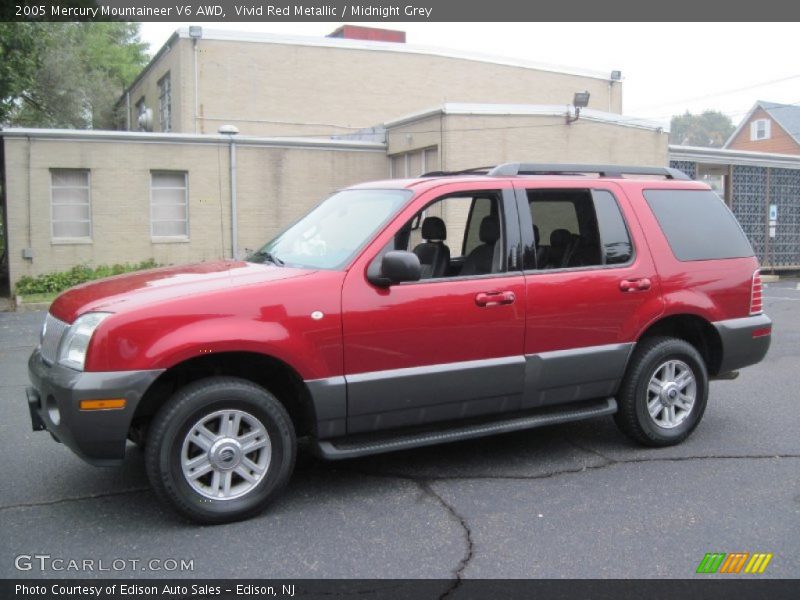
x=375 y=109
x=283 y=85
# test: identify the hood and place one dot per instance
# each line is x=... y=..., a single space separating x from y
x=123 y=292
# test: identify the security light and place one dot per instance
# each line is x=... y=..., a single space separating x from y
x=195 y=31
x=581 y=100
x=616 y=75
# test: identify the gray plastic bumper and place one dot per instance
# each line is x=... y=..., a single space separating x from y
x=97 y=436
x=744 y=341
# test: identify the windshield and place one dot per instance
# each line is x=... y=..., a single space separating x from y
x=331 y=234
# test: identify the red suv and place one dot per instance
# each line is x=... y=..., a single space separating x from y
x=404 y=313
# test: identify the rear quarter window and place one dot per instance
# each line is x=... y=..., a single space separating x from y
x=698 y=225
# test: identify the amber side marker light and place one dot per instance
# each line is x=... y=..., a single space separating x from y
x=110 y=404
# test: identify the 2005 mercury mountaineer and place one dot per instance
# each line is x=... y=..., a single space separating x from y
x=403 y=313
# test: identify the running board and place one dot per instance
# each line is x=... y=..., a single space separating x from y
x=351 y=448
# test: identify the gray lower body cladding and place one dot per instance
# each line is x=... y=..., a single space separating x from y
x=396 y=398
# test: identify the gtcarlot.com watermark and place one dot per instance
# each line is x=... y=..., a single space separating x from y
x=48 y=563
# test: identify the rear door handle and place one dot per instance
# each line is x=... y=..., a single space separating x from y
x=635 y=285
x=495 y=298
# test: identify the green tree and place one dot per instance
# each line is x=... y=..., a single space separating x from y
x=66 y=74
x=710 y=128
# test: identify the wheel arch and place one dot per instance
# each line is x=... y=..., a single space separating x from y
x=275 y=375
x=693 y=329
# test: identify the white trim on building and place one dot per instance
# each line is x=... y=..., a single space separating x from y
x=535 y=110
x=403 y=48
x=89 y=135
x=734 y=157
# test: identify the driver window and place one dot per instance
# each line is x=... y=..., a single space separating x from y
x=456 y=236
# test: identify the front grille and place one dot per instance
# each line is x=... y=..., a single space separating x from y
x=53 y=331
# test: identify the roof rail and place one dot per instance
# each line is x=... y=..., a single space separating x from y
x=511 y=169
x=472 y=171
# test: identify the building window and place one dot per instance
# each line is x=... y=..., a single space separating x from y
x=165 y=103
x=760 y=130
x=141 y=109
x=169 y=206
x=71 y=213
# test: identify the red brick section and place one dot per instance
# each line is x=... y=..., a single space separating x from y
x=356 y=32
x=779 y=141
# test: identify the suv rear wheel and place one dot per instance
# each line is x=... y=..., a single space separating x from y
x=220 y=450
x=663 y=395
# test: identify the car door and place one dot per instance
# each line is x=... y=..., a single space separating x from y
x=591 y=287
x=442 y=348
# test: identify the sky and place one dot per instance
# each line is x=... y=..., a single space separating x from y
x=667 y=68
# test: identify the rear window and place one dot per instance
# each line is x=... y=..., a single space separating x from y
x=698 y=225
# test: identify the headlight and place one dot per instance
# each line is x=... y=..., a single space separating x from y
x=75 y=343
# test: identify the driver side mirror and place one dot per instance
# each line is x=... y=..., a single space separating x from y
x=397 y=266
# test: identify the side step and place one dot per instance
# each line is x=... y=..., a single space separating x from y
x=373 y=444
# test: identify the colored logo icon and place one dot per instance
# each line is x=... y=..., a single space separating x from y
x=734 y=563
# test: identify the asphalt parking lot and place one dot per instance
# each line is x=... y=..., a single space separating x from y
x=576 y=500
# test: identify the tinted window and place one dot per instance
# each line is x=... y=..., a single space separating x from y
x=578 y=228
x=698 y=225
x=615 y=243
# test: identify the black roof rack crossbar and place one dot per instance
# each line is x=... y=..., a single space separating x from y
x=511 y=169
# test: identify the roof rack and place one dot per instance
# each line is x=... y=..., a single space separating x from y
x=617 y=171
x=472 y=171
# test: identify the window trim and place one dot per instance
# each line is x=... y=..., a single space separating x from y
x=66 y=240
x=754 y=137
x=523 y=196
x=170 y=238
x=161 y=96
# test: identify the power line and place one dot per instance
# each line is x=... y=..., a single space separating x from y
x=722 y=93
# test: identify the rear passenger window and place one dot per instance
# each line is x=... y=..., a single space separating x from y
x=698 y=225
x=578 y=228
x=615 y=243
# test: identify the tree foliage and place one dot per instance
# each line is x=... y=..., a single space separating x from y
x=66 y=74
x=710 y=128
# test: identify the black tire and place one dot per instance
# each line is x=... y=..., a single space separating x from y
x=172 y=423
x=633 y=417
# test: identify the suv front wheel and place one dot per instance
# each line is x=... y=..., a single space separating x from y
x=663 y=395
x=220 y=450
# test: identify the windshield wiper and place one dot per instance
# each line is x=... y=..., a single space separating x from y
x=267 y=256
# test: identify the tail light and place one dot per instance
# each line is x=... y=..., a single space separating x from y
x=756 y=307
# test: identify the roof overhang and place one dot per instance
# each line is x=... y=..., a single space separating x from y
x=734 y=157
x=351 y=44
x=141 y=137
x=533 y=110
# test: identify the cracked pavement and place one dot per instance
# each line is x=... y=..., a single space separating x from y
x=573 y=500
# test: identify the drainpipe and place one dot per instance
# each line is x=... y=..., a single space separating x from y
x=128 y=111
x=196 y=93
x=231 y=131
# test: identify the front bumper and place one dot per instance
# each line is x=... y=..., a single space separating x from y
x=97 y=436
x=745 y=341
